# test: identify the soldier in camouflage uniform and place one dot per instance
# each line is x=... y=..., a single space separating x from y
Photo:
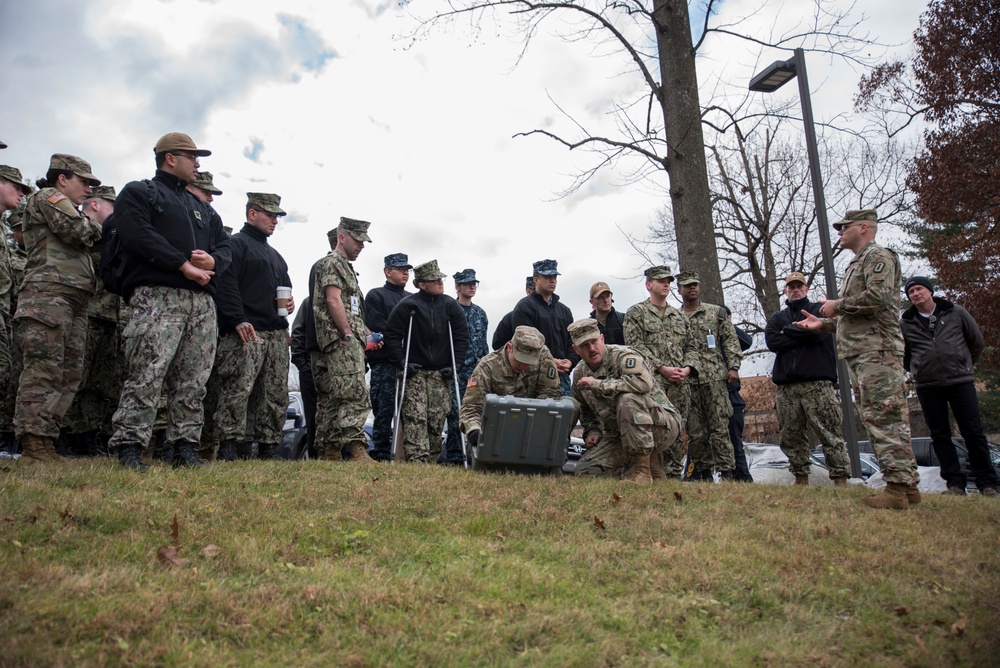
x=709 y=445
x=805 y=371
x=12 y=191
x=59 y=279
x=339 y=366
x=253 y=347
x=870 y=342
x=662 y=335
x=522 y=368
x=379 y=303
x=466 y=285
x=175 y=247
x=429 y=373
x=88 y=421
x=204 y=189
x=627 y=419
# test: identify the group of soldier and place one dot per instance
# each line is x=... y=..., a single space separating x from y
x=194 y=341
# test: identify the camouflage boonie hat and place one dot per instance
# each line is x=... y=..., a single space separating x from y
x=71 y=163
x=103 y=192
x=465 y=276
x=527 y=344
x=599 y=288
x=265 y=202
x=13 y=174
x=204 y=181
x=658 y=272
x=428 y=271
x=796 y=276
x=529 y=283
x=178 y=141
x=687 y=278
x=583 y=330
x=546 y=268
x=356 y=228
x=856 y=215
x=397 y=261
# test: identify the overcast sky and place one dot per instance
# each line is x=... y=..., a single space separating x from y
x=328 y=105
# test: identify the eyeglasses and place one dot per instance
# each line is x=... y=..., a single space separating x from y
x=192 y=158
x=840 y=227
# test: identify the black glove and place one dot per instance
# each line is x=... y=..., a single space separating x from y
x=446 y=373
x=472 y=438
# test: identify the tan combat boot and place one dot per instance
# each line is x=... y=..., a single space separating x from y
x=912 y=495
x=38 y=449
x=802 y=480
x=639 y=470
x=840 y=482
x=893 y=496
x=656 y=467
x=360 y=453
x=330 y=454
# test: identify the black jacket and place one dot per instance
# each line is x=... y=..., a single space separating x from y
x=944 y=355
x=429 y=345
x=551 y=319
x=379 y=303
x=614 y=329
x=246 y=292
x=801 y=355
x=504 y=332
x=300 y=356
x=159 y=242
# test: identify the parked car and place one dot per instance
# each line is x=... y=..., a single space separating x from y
x=923 y=451
x=869 y=463
x=294 y=434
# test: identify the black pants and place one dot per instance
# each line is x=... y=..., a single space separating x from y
x=308 y=390
x=736 y=424
x=965 y=406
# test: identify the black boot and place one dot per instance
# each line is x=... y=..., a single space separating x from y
x=184 y=455
x=162 y=451
x=227 y=451
x=101 y=447
x=86 y=445
x=129 y=456
x=245 y=450
x=8 y=443
x=267 y=451
x=66 y=444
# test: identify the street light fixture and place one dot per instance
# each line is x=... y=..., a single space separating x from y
x=771 y=79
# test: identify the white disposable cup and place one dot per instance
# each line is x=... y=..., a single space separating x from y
x=284 y=293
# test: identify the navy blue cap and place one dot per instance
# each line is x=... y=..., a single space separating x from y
x=546 y=268
x=398 y=260
x=529 y=282
x=466 y=276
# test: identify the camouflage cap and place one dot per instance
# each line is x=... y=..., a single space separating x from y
x=687 y=278
x=465 y=276
x=178 y=141
x=599 y=288
x=527 y=344
x=331 y=236
x=398 y=261
x=265 y=202
x=796 y=276
x=658 y=272
x=204 y=181
x=103 y=192
x=13 y=174
x=71 y=163
x=228 y=230
x=356 y=228
x=856 y=215
x=546 y=268
x=583 y=330
x=428 y=271
x=529 y=283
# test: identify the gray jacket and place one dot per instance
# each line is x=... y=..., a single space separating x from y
x=941 y=351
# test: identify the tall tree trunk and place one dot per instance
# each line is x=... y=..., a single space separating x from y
x=686 y=165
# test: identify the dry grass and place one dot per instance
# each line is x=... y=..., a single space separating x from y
x=322 y=563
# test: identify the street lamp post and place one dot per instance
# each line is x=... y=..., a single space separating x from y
x=771 y=79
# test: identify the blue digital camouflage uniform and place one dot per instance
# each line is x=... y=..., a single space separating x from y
x=478 y=348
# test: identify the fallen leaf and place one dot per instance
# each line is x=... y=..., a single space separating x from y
x=678 y=497
x=500 y=536
x=660 y=544
x=598 y=522
x=66 y=514
x=958 y=628
x=211 y=550
x=920 y=642
x=375 y=479
x=82 y=488
x=175 y=529
x=900 y=610
x=169 y=556
x=617 y=497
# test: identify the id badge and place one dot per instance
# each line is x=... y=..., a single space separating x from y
x=355 y=305
x=711 y=340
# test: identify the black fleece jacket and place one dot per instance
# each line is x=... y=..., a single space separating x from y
x=801 y=355
x=429 y=345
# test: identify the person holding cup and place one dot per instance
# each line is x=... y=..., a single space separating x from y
x=253 y=298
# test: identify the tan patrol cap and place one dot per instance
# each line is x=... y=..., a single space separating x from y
x=527 y=344
x=103 y=192
x=855 y=216
x=796 y=276
x=71 y=163
x=583 y=330
x=599 y=288
x=178 y=141
x=13 y=174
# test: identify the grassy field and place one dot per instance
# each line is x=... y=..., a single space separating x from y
x=332 y=564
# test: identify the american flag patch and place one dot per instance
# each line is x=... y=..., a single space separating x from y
x=471 y=383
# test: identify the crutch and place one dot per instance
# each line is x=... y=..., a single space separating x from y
x=458 y=396
x=397 y=449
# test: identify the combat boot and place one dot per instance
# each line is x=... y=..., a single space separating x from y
x=162 y=451
x=227 y=451
x=330 y=454
x=639 y=470
x=7 y=442
x=656 y=467
x=86 y=445
x=38 y=449
x=802 y=480
x=244 y=450
x=727 y=476
x=130 y=456
x=842 y=482
x=893 y=496
x=912 y=495
x=65 y=445
x=184 y=455
x=360 y=453
x=267 y=451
